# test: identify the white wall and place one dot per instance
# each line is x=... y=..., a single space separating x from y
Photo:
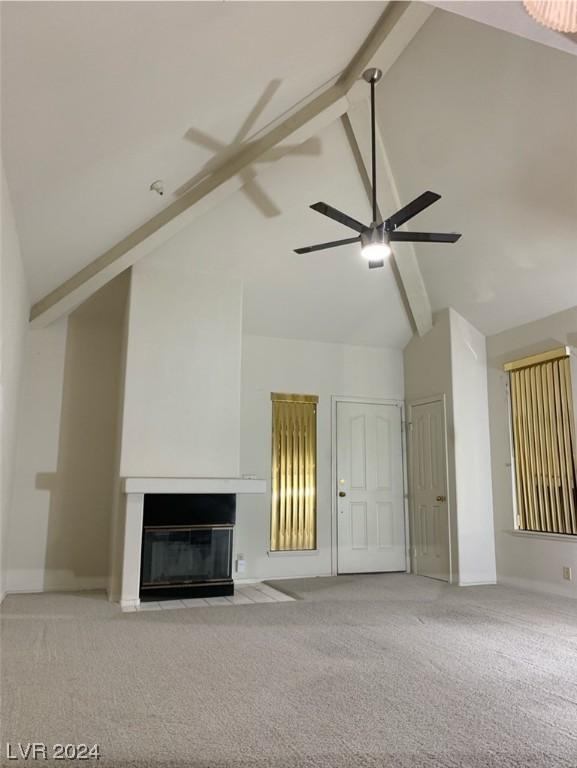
x=182 y=379
x=288 y=365
x=36 y=455
x=524 y=560
x=427 y=361
x=14 y=323
x=119 y=499
x=474 y=502
x=451 y=360
x=63 y=479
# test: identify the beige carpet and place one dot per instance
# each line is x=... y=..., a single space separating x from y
x=366 y=671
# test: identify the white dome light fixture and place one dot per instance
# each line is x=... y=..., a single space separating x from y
x=560 y=15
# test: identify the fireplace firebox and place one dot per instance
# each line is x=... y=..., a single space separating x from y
x=187 y=545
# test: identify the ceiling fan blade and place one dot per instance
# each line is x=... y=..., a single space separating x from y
x=322 y=246
x=376 y=264
x=424 y=237
x=342 y=218
x=412 y=209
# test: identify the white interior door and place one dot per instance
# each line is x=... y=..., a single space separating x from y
x=430 y=516
x=370 y=508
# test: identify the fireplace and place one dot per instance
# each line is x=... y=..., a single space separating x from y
x=175 y=502
x=187 y=545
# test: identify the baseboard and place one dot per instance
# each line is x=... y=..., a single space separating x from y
x=257 y=579
x=488 y=583
x=540 y=587
x=95 y=586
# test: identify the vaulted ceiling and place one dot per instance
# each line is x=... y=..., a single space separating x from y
x=489 y=120
x=99 y=100
x=327 y=296
x=510 y=16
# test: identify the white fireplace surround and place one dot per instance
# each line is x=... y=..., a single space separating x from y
x=134 y=489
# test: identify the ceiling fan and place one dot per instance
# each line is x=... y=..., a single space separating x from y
x=376 y=238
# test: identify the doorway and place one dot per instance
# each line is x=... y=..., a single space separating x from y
x=428 y=482
x=370 y=488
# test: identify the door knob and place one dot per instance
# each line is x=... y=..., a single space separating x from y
x=441 y=498
x=342 y=493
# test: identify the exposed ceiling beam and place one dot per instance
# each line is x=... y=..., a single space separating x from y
x=297 y=128
x=395 y=28
x=357 y=124
x=387 y=40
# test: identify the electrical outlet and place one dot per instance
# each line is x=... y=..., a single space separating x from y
x=567 y=573
x=240 y=564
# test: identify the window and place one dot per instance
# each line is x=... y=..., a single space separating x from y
x=544 y=446
x=294 y=473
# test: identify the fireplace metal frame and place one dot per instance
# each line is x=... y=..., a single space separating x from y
x=184 y=505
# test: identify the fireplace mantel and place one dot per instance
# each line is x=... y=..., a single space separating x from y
x=193 y=485
x=132 y=513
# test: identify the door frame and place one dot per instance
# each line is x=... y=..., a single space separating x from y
x=441 y=398
x=335 y=399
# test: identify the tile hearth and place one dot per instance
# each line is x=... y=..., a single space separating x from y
x=247 y=594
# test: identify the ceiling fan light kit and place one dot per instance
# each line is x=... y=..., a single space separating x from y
x=375 y=246
x=375 y=238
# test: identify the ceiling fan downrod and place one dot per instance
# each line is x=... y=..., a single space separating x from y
x=372 y=77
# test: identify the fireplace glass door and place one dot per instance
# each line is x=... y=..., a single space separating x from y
x=186 y=555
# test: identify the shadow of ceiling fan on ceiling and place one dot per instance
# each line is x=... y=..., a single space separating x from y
x=223 y=152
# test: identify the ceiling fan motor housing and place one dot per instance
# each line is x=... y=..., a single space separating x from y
x=375 y=235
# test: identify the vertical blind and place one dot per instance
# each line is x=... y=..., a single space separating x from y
x=294 y=474
x=543 y=427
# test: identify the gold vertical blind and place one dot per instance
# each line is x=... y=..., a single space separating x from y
x=543 y=427
x=294 y=472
